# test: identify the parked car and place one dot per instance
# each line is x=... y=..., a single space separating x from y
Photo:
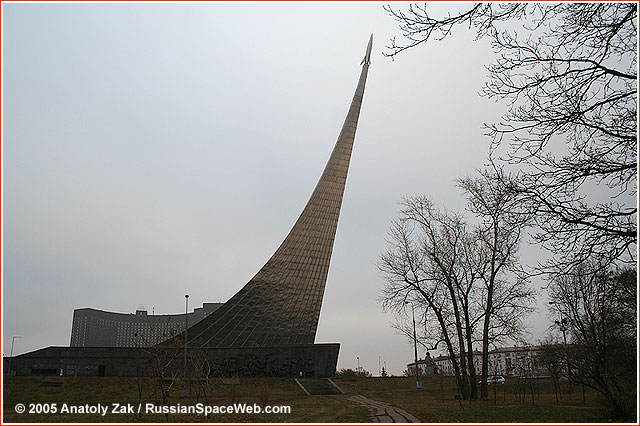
x=495 y=380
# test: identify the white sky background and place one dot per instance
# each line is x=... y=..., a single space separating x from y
x=153 y=150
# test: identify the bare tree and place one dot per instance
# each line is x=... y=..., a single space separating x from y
x=568 y=71
x=419 y=269
x=203 y=374
x=162 y=366
x=506 y=298
x=599 y=311
x=442 y=266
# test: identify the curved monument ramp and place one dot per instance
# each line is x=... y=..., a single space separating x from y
x=280 y=306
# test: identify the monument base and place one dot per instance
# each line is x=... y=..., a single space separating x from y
x=317 y=360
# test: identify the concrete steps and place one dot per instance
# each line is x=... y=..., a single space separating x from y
x=319 y=386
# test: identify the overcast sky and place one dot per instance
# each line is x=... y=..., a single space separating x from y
x=153 y=150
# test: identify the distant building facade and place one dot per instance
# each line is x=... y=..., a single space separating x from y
x=511 y=361
x=522 y=361
x=97 y=328
x=426 y=367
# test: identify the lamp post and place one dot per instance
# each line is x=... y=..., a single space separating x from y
x=562 y=324
x=186 y=328
x=563 y=327
x=13 y=341
x=358 y=361
x=415 y=347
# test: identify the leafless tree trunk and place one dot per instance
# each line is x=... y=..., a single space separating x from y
x=499 y=235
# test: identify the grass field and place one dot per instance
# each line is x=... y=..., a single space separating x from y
x=434 y=403
x=106 y=390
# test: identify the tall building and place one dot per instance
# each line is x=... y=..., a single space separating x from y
x=97 y=328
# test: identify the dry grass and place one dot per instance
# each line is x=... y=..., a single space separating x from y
x=106 y=390
x=436 y=403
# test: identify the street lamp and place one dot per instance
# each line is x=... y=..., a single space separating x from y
x=186 y=323
x=563 y=327
x=358 y=360
x=562 y=324
x=186 y=328
x=415 y=346
x=13 y=341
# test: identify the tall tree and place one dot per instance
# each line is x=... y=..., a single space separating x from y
x=422 y=266
x=568 y=71
x=446 y=268
x=499 y=232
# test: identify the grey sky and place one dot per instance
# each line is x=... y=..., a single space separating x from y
x=153 y=150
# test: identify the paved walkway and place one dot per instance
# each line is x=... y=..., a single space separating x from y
x=381 y=412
